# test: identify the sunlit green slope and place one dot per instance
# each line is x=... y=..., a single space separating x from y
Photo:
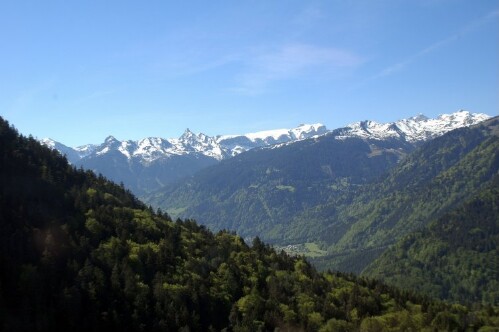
x=78 y=253
x=456 y=257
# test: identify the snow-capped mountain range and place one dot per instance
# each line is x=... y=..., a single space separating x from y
x=415 y=129
x=150 y=163
x=218 y=147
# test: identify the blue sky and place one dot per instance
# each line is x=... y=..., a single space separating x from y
x=78 y=71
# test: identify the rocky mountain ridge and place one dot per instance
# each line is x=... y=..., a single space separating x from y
x=415 y=129
x=217 y=147
x=149 y=164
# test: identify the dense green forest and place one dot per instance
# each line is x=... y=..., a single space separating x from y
x=352 y=198
x=79 y=252
x=260 y=192
x=456 y=257
x=431 y=181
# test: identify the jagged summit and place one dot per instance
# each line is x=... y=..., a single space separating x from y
x=219 y=147
x=420 y=117
x=110 y=139
x=414 y=129
x=240 y=143
x=187 y=134
x=48 y=142
x=150 y=163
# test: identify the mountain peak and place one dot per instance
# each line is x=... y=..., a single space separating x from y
x=48 y=142
x=415 y=129
x=419 y=117
x=110 y=139
x=187 y=131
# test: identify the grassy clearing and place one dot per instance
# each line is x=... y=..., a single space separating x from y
x=309 y=249
x=290 y=188
x=175 y=212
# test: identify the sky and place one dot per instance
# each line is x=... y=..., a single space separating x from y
x=78 y=71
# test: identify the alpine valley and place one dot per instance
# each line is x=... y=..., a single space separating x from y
x=341 y=197
x=277 y=181
x=80 y=253
x=149 y=164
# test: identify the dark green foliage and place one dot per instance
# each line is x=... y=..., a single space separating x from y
x=259 y=193
x=79 y=253
x=433 y=180
x=352 y=197
x=456 y=257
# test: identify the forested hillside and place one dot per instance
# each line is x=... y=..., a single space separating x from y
x=456 y=257
x=81 y=253
x=259 y=193
x=351 y=198
x=434 y=179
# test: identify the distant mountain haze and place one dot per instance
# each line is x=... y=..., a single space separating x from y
x=352 y=197
x=80 y=253
x=149 y=164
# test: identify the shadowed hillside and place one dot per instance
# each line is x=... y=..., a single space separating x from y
x=80 y=253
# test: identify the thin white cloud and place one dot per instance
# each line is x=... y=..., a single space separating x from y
x=290 y=61
x=404 y=63
x=191 y=65
x=95 y=95
x=441 y=43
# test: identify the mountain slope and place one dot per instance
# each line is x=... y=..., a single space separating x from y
x=415 y=129
x=80 y=253
x=334 y=192
x=264 y=189
x=260 y=191
x=237 y=144
x=434 y=179
x=456 y=257
x=151 y=163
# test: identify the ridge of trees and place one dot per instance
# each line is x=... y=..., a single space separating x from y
x=78 y=252
x=455 y=257
x=352 y=198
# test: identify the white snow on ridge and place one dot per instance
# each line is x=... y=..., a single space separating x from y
x=308 y=130
x=103 y=151
x=147 y=150
x=276 y=134
x=124 y=148
x=71 y=154
x=48 y=142
x=415 y=129
x=236 y=144
x=85 y=150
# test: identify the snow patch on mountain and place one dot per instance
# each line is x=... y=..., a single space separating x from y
x=72 y=154
x=302 y=131
x=147 y=150
x=85 y=150
x=414 y=129
x=237 y=144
